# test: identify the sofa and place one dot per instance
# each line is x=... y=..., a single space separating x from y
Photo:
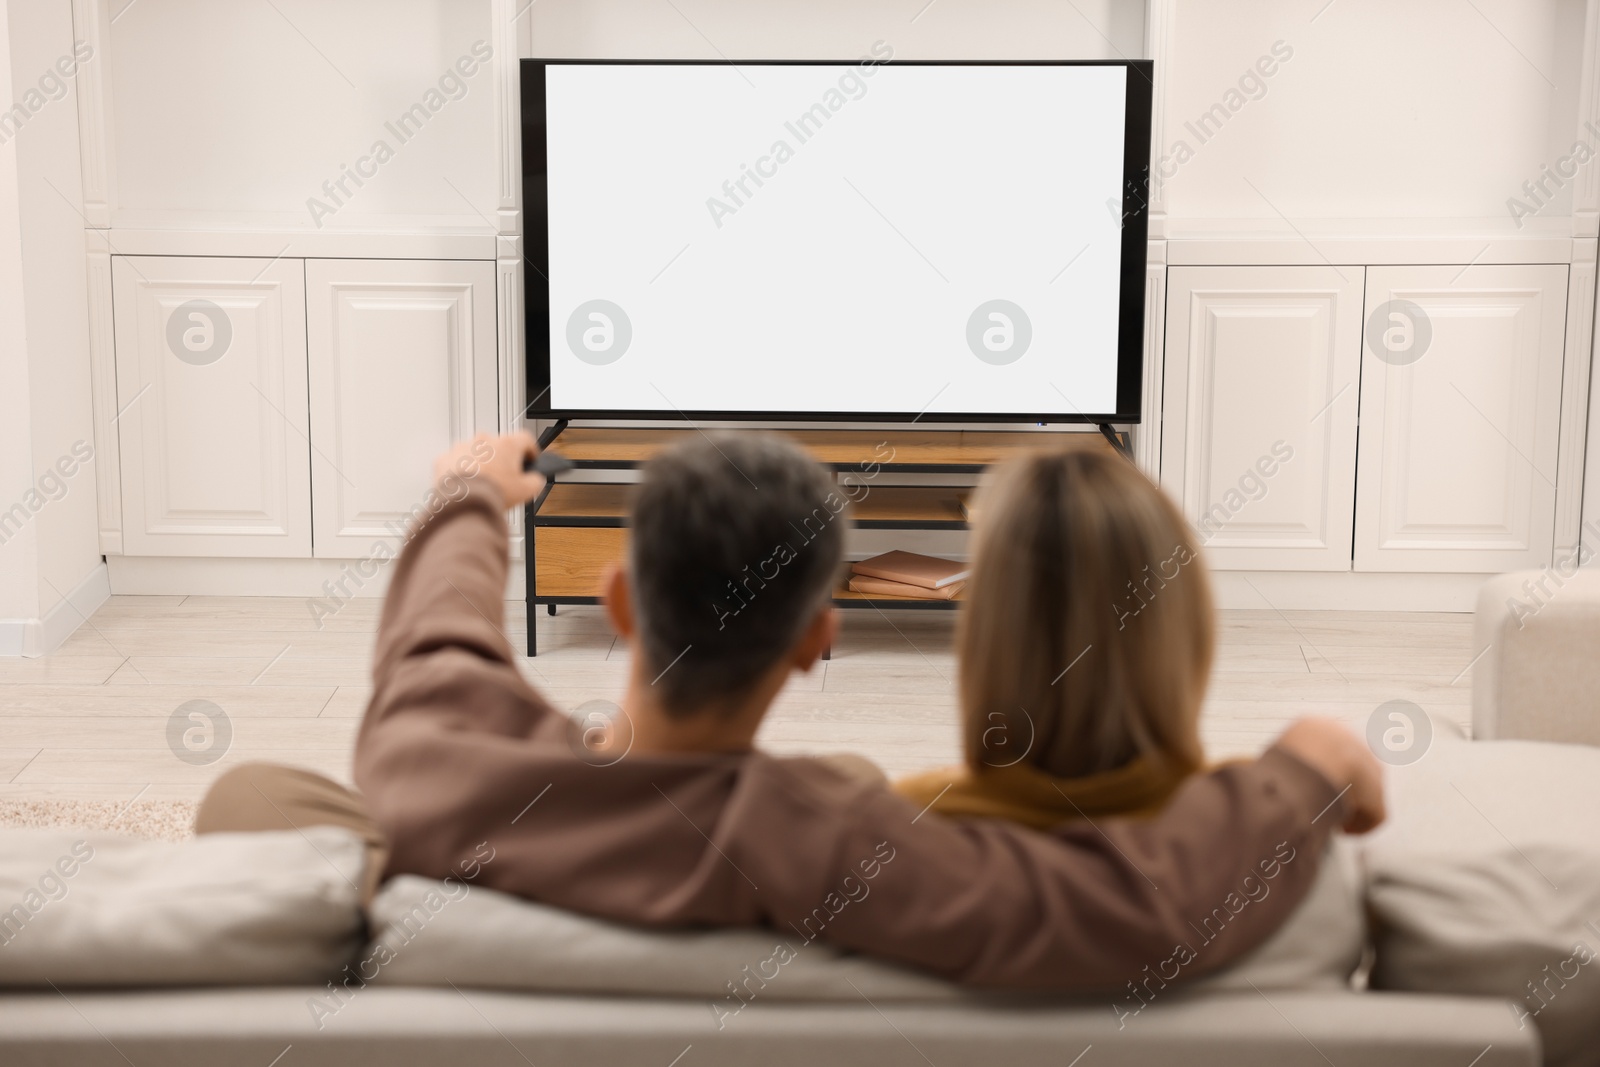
x=1462 y=934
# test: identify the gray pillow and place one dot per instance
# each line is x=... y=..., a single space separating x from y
x=1486 y=880
x=99 y=909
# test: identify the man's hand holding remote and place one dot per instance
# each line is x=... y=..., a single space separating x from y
x=496 y=460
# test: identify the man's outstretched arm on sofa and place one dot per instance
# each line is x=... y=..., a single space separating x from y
x=1089 y=905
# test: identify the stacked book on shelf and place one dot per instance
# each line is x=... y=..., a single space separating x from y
x=908 y=574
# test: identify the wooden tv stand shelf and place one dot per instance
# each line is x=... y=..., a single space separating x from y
x=575 y=530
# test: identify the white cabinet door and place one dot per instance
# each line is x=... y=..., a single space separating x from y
x=1259 y=412
x=211 y=390
x=1460 y=417
x=402 y=356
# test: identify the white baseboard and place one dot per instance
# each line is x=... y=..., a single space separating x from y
x=1346 y=591
x=14 y=636
x=40 y=637
x=1261 y=590
x=185 y=576
x=63 y=620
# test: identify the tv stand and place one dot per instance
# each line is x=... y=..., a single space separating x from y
x=574 y=530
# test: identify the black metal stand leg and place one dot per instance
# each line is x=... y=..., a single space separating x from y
x=529 y=566
x=1116 y=441
x=551 y=608
x=551 y=432
x=527 y=577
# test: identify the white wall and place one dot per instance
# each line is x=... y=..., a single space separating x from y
x=229 y=115
x=837 y=29
x=1420 y=109
x=235 y=114
x=56 y=297
x=19 y=587
x=1423 y=109
x=44 y=360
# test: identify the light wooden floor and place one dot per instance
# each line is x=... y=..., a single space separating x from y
x=90 y=722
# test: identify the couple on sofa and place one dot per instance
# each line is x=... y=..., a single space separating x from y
x=1082 y=840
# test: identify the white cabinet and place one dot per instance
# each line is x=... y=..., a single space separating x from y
x=1460 y=417
x=211 y=391
x=257 y=424
x=1259 y=412
x=402 y=363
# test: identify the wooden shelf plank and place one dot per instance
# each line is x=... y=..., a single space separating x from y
x=909 y=507
x=570 y=501
x=904 y=504
x=626 y=446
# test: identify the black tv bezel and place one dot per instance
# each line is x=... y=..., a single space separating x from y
x=1131 y=287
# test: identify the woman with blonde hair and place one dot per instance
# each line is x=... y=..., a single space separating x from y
x=1085 y=644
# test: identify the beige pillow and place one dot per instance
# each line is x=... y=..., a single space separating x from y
x=1486 y=880
x=428 y=933
x=1319 y=946
x=98 y=909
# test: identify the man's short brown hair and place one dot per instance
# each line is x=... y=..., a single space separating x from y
x=736 y=540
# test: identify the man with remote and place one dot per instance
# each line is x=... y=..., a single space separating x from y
x=672 y=817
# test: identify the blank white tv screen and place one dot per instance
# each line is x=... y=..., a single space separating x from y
x=835 y=240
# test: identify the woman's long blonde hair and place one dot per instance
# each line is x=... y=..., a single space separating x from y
x=1086 y=638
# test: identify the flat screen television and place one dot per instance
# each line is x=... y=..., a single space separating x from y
x=873 y=240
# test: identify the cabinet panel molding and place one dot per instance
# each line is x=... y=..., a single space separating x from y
x=103 y=389
x=402 y=363
x=513 y=363
x=1260 y=412
x=211 y=393
x=1147 y=435
x=1459 y=437
x=1575 y=401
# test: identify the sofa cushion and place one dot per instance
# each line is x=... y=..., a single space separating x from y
x=1486 y=880
x=98 y=909
x=429 y=933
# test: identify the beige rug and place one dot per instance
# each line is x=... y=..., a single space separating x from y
x=156 y=820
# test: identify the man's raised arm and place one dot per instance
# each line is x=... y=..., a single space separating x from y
x=442 y=633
